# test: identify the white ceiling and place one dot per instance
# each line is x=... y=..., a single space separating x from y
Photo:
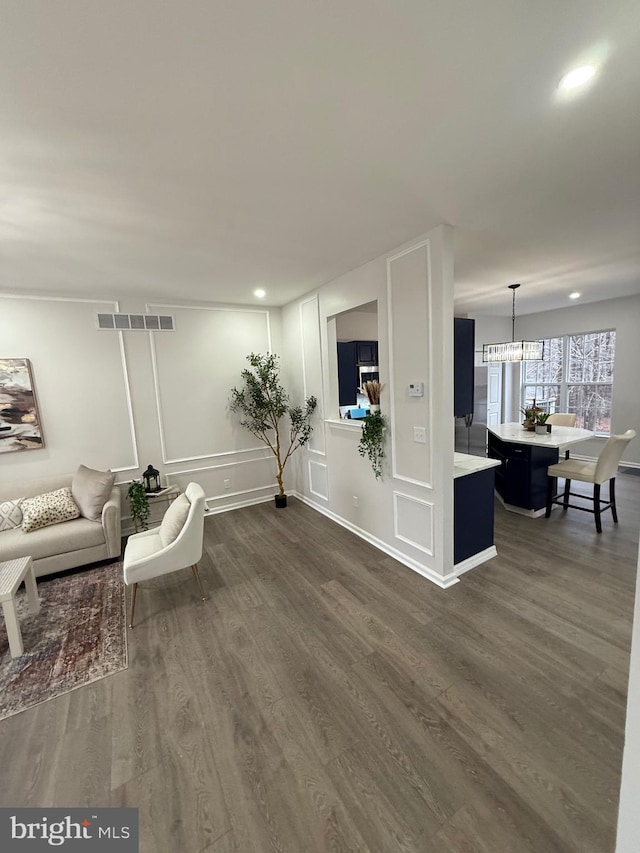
x=201 y=149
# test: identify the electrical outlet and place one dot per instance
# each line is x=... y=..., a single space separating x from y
x=420 y=435
x=227 y=484
x=355 y=500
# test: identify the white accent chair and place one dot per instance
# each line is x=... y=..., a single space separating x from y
x=562 y=419
x=176 y=544
x=597 y=473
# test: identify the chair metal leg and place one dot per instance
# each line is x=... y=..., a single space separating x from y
x=612 y=499
x=552 y=485
x=194 y=569
x=567 y=489
x=134 y=589
x=596 y=507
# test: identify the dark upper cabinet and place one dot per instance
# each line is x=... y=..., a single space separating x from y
x=367 y=352
x=347 y=373
x=463 y=366
x=351 y=355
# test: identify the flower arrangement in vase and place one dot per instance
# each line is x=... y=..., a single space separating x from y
x=372 y=389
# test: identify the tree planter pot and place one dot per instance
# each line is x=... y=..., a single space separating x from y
x=281 y=501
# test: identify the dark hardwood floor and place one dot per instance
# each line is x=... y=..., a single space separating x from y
x=326 y=698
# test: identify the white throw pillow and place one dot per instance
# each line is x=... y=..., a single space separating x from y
x=174 y=519
x=50 y=508
x=10 y=514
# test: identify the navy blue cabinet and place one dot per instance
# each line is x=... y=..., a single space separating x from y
x=351 y=356
x=521 y=479
x=367 y=353
x=347 y=373
x=463 y=366
x=472 y=514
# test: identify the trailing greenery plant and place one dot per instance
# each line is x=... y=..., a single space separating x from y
x=372 y=441
x=263 y=402
x=139 y=503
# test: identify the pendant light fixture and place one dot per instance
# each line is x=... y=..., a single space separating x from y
x=513 y=350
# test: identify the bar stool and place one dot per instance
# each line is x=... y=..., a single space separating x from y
x=598 y=472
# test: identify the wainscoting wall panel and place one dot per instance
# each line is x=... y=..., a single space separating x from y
x=227 y=481
x=410 y=361
x=194 y=370
x=81 y=381
x=312 y=370
x=318 y=479
x=413 y=520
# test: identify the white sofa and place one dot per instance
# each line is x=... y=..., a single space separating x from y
x=65 y=545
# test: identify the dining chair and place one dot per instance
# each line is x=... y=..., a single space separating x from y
x=176 y=544
x=562 y=419
x=596 y=473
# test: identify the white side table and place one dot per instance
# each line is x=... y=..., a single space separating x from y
x=12 y=573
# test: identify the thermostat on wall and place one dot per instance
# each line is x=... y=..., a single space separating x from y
x=416 y=389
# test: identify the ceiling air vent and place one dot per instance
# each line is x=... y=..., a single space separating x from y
x=136 y=322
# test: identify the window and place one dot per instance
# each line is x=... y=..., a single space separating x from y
x=576 y=375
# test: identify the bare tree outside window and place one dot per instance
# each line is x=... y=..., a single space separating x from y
x=576 y=376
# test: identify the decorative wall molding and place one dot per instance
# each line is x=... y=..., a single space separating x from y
x=313 y=314
x=203 y=474
x=423 y=524
x=318 y=479
x=123 y=360
x=424 y=244
x=149 y=307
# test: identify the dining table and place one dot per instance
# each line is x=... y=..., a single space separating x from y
x=524 y=457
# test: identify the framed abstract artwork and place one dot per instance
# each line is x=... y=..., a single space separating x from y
x=20 y=427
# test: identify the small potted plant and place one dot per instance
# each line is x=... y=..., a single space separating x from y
x=541 y=425
x=372 y=440
x=530 y=414
x=139 y=504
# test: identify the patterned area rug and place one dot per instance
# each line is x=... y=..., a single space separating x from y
x=79 y=636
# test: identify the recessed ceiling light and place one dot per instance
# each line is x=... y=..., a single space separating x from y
x=260 y=293
x=577 y=77
x=575 y=295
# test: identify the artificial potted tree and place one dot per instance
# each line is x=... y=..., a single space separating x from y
x=262 y=404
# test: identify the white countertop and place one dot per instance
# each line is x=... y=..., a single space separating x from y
x=558 y=437
x=464 y=464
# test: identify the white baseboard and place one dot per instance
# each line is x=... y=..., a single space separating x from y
x=443 y=581
x=475 y=560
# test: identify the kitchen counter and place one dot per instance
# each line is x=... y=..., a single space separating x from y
x=465 y=464
x=558 y=437
x=521 y=479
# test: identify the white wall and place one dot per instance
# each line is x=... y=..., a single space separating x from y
x=623 y=315
x=126 y=399
x=629 y=813
x=357 y=326
x=409 y=514
x=619 y=314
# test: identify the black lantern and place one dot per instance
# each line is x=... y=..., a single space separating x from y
x=151 y=479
